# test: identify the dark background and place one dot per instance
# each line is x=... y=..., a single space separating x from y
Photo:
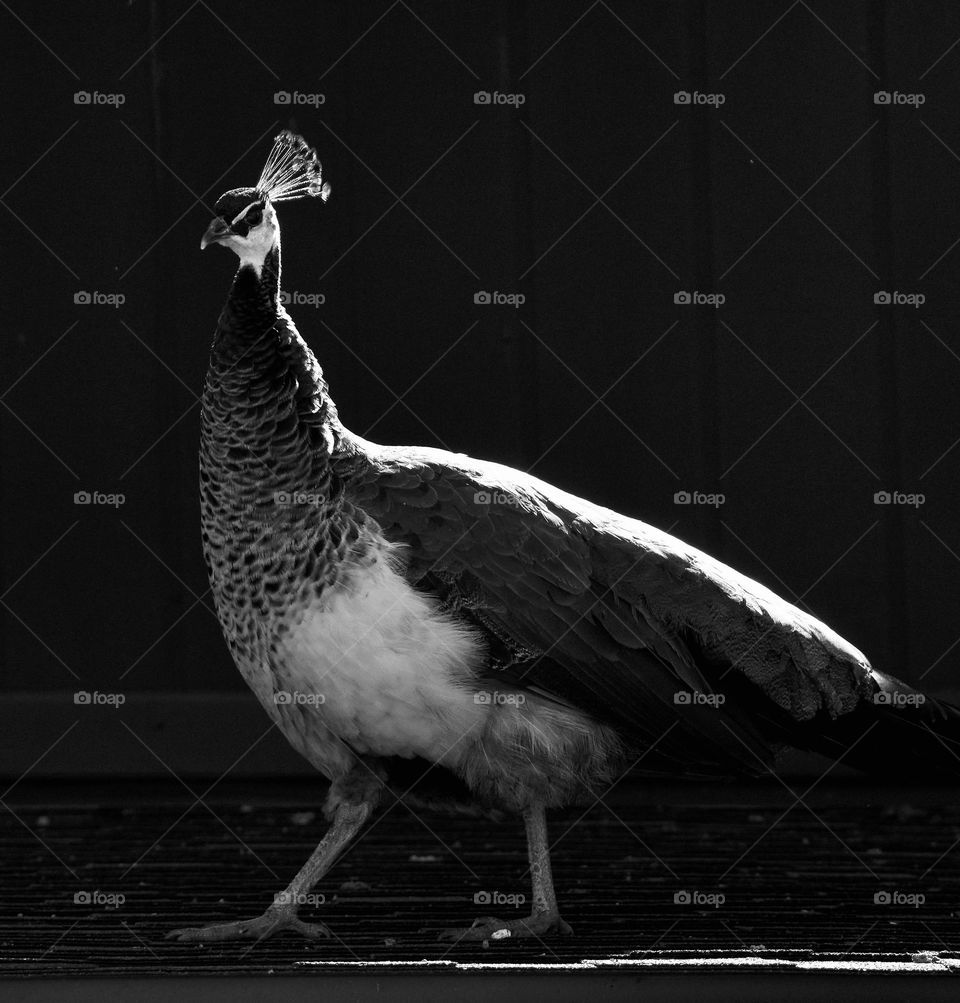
x=434 y=199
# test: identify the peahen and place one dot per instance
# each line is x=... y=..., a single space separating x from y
x=472 y=638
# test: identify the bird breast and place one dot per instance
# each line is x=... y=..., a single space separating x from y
x=374 y=662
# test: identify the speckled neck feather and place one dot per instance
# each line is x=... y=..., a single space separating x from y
x=272 y=509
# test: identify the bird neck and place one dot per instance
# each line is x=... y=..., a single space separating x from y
x=265 y=394
x=254 y=297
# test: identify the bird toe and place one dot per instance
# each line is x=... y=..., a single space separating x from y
x=271 y=922
x=489 y=928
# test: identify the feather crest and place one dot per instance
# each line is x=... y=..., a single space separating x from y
x=292 y=171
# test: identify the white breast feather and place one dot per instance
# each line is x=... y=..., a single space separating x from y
x=395 y=676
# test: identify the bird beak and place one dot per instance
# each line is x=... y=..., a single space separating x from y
x=217 y=232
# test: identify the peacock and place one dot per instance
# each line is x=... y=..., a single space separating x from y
x=470 y=638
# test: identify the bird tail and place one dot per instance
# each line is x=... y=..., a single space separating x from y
x=900 y=733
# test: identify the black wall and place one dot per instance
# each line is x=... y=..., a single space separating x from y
x=113 y=199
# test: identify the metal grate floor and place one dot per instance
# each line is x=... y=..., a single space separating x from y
x=93 y=878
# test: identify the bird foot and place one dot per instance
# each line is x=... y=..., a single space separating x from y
x=271 y=922
x=538 y=925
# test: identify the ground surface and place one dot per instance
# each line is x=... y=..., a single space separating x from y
x=94 y=877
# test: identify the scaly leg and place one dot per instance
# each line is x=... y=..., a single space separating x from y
x=282 y=914
x=545 y=917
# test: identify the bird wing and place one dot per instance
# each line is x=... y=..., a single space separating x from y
x=606 y=613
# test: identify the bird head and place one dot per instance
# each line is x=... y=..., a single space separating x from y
x=246 y=221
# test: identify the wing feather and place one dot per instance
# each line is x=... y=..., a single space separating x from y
x=605 y=612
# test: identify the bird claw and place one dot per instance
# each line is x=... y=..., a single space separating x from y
x=489 y=928
x=271 y=922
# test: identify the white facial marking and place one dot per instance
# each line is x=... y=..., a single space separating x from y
x=243 y=212
x=253 y=249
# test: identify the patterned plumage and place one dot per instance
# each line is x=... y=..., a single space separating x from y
x=471 y=636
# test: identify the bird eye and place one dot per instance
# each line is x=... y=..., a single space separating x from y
x=254 y=217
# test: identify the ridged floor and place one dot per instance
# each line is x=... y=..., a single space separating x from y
x=803 y=887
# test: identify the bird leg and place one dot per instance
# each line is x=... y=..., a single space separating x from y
x=282 y=913
x=544 y=918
